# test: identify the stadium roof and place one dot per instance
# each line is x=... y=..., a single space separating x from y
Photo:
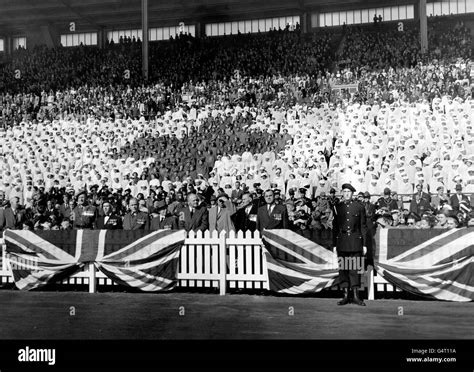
x=19 y=15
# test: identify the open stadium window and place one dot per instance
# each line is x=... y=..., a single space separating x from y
x=154 y=34
x=469 y=6
x=438 y=8
x=2 y=46
x=85 y=38
x=123 y=35
x=360 y=16
x=19 y=42
x=252 y=26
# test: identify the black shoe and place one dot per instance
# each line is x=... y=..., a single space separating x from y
x=356 y=300
x=346 y=299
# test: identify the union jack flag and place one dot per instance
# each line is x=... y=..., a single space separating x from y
x=297 y=265
x=433 y=263
x=148 y=261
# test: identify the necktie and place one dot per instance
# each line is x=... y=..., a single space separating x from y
x=270 y=207
x=192 y=212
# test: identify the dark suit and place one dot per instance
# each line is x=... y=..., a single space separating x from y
x=243 y=221
x=454 y=201
x=137 y=221
x=420 y=207
x=349 y=238
x=423 y=195
x=168 y=223
x=8 y=220
x=199 y=220
x=277 y=219
x=113 y=223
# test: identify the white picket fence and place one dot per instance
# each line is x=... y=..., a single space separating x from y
x=233 y=260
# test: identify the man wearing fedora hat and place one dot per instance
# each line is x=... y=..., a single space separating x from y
x=349 y=240
x=163 y=220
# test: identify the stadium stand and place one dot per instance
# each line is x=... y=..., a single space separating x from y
x=243 y=113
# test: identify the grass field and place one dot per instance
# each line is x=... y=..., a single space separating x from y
x=79 y=315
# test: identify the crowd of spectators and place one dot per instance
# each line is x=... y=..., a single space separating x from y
x=380 y=50
x=449 y=39
x=227 y=117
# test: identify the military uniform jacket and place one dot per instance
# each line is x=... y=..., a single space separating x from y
x=389 y=203
x=349 y=227
x=113 y=223
x=84 y=217
x=137 y=221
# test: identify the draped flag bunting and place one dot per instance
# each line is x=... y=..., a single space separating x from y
x=433 y=263
x=297 y=265
x=143 y=260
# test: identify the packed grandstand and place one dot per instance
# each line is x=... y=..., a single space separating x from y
x=227 y=118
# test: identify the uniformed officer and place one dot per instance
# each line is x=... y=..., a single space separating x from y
x=135 y=220
x=349 y=240
x=84 y=215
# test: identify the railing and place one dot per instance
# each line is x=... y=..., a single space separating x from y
x=233 y=260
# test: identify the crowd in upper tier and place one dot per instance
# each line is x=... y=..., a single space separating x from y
x=223 y=117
